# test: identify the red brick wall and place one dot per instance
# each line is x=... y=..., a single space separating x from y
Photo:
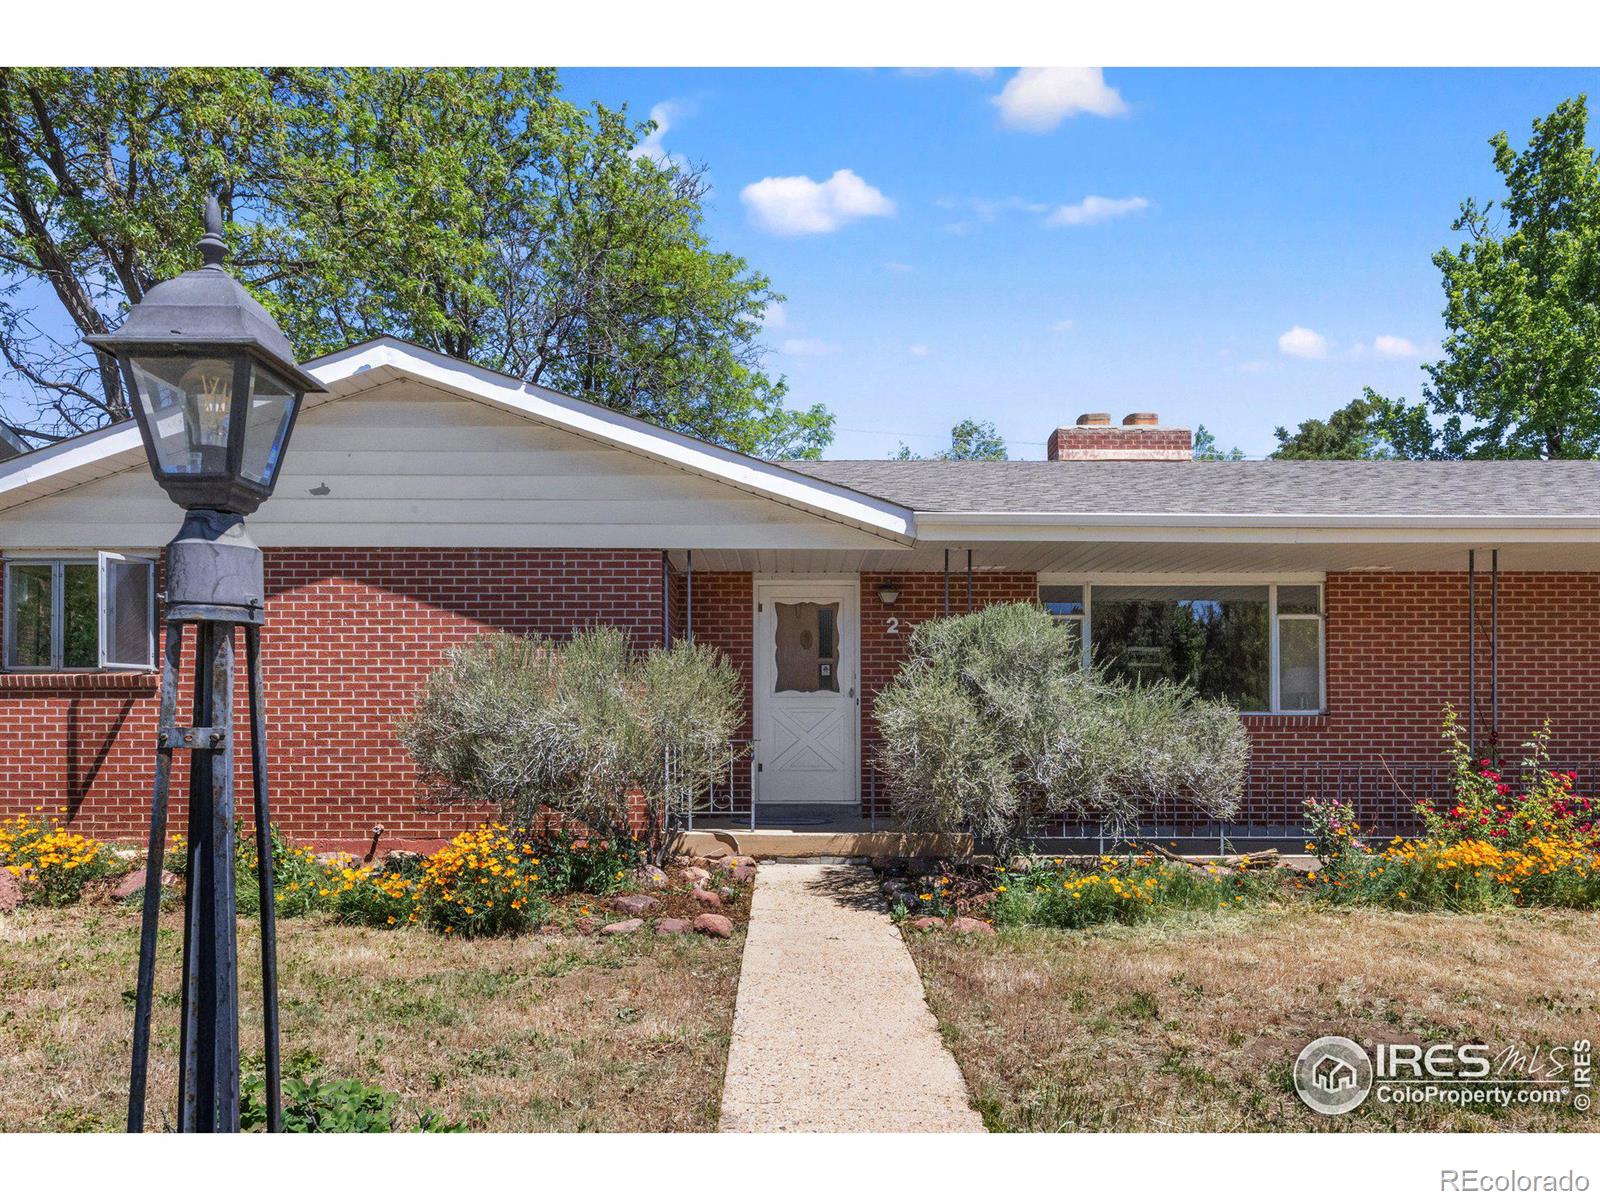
x=1397 y=653
x=723 y=616
x=350 y=635
x=883 y=648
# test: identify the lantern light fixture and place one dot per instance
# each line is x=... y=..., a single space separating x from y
x=212 y=382
x=889 y=592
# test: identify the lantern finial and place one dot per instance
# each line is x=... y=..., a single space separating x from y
x=213 y=249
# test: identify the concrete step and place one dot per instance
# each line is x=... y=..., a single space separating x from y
x=822 y=843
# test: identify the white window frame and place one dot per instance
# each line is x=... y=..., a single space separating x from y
x=1271 y=583
x=108 y=615
x=58 y=564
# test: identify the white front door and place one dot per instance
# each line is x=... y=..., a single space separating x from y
x=805 y=680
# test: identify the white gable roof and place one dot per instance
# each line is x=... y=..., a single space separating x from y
x=349 y=372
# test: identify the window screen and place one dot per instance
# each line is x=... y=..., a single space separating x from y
x=128 y=631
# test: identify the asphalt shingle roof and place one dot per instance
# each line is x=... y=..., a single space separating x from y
x=1432 y=489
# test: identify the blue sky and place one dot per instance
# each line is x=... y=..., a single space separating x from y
x=1257 y=249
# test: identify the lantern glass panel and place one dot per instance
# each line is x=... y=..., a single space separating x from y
x=188 y=404
x=266 y=428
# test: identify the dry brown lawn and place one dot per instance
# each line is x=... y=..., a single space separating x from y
x=1194 y=1023
x=544 y=1032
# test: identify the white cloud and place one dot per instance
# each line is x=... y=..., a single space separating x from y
x=898 y=268
x=665 y=115
x=918 y=350
x=1064 y=325
x=1038 y=99
x=1092 y=210
x=1387 y=345
x=776 y=317
x=1300 y=342
x=806 y=347
x=797 y=204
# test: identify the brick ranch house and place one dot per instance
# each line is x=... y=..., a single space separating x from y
x=424 y=501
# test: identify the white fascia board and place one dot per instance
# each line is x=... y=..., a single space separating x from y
x=1251 y=527
x=342 y=372
x=114 y=448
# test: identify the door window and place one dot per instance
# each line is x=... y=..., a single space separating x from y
x=807 y=647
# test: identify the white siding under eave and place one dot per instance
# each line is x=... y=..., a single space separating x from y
x=408 y=465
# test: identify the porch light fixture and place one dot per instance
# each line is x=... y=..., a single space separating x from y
x=889 y=593
x=215 y=389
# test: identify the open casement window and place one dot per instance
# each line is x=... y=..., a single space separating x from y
x=127 y=612
x=80 y=614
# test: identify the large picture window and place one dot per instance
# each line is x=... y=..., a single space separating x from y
x=1257 y=646
x=80 y=614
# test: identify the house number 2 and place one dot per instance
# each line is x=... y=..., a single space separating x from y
x=892 y=624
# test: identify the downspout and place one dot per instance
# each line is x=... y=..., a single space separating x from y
x=947 y=581
x=689 y=603
x=1472 y=651
x=666 y=602
x=1494 y=645
x=969 y=580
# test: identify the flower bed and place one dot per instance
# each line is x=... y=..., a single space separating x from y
x=1527 y=839
x=1068 y=893
x=51 y=864
x=488 y=881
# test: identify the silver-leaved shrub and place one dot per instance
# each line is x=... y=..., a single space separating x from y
x=992 y=725
x=531 y=725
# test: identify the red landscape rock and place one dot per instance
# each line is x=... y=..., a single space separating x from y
x=133 y=881
x=651 y=877
x=673 y=925
x=694 y=875
x=632 y=926
x=10 y=891
x=635 y=906
x=713 y=925
x=930 y=923
x=701 y=896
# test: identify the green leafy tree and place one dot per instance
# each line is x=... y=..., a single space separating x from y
x=1354 y=431
x=1520 y=376
x=473 y=211
x=1207 y=450
x=969 y=441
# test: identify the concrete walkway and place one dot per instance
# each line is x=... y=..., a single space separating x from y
x=831 y=1033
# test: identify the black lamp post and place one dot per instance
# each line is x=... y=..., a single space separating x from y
x=214 y=386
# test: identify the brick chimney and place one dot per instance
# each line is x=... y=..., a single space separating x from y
x=1141 y=437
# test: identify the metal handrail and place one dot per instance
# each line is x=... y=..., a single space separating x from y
x=721 y=799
